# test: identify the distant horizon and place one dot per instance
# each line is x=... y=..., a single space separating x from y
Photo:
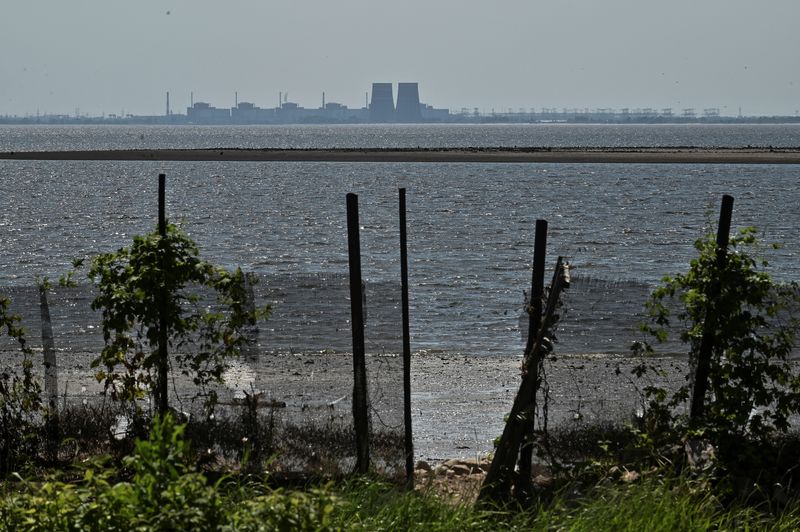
x=76 y=111
x=98 y=57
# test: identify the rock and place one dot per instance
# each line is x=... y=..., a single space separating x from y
x=423 y=465
x=474 y=466
x=460 y=469
x=543 y=481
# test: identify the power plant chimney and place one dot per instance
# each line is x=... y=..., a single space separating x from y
x=382 y=107
x=408 y=108
x=167 y=103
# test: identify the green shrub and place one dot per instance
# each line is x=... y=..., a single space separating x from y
x=20 y=401
x=753 y=386
x=151 y=281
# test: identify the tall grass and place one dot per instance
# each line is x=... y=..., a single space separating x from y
x=668 y=505
x=651 y=505
x=159 y=487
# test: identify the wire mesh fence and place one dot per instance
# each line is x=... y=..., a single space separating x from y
x=297 y=376
x=294 y=381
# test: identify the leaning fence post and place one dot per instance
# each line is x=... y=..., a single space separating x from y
x=496 y=486
x=709 y=326
x=534 y=309
x=360 y=410
x=163 y=362
x=409 y=438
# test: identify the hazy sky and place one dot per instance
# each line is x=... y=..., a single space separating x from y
x=103 y=56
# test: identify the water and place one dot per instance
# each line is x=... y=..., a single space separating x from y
x=470 y=225
x=23 y=138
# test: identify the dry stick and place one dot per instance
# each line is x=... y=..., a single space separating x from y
x=709 y=326
x=163 y=363
x=497 y=483
x=360 y=410
x=409 y=438
x=534 y=309
x=50 y=372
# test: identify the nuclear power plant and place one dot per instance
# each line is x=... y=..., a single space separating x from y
x=382 y=108
x=379 y=108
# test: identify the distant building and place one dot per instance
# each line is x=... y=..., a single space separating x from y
x=381 y=108
x=203 y=113
x=408 y=107
x=429 y=114
x=248 y=113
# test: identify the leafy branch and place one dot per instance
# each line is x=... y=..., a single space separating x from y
x=753 y=386
x=159 y=280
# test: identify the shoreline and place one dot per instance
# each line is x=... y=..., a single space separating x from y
x=641 y=155
x=459 y=402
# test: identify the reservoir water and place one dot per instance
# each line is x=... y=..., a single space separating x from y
x=470 y=225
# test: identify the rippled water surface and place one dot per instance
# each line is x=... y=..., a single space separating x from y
x=470 y=225
x=25 y=138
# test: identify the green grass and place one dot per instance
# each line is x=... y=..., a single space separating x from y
x=650 y=505
x=158 y=487
x=97 y=504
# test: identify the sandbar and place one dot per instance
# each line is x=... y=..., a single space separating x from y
x=642 y=155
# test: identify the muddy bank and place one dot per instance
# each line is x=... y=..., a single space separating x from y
x=458 y=401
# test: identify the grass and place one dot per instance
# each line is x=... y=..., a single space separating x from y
x=160 y=483
x=374 y=505
x=654 y=504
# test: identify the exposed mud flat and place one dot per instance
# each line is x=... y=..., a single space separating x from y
x=458 y=401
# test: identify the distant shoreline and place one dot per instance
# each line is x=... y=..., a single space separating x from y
x=643 y=155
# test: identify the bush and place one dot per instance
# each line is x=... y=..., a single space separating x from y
x=753 y=386
x=20 y=402
x=148 y=286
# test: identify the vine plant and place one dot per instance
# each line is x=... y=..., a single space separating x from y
x=753 y=386
x=162 y=278
x=20 y=399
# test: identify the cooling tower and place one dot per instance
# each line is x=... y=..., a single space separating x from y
x=408 y=110
x=381 y=109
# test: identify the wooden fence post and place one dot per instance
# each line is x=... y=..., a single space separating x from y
x=360 y=407
x=409 y=437
x=707 y=342
x=534 y=309
x=163 y=360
